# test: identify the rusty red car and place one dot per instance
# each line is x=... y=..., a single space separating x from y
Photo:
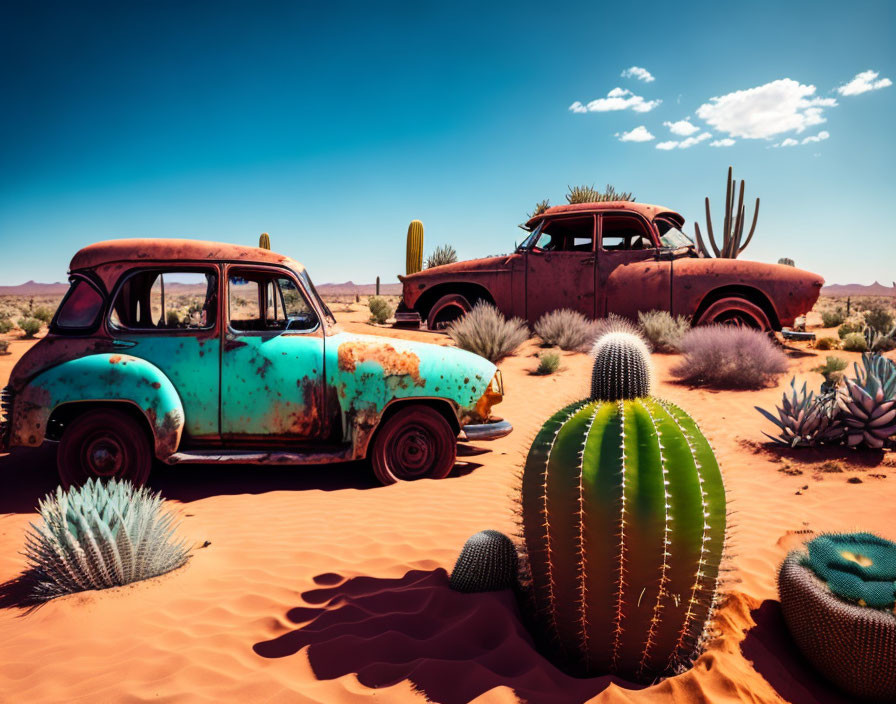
x=616 y=257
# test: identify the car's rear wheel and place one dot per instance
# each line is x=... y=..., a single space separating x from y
x=104 y=444
x=446 y=310
x=416 y=442
x=738 y=312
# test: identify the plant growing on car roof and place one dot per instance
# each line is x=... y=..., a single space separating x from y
x=623 y=520
x=732 y=226
x=786 y=261
x=414 y=250
x=100 y=535
x=264 y=241
x=540 y=207
x=590 y=194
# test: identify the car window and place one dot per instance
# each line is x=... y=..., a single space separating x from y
x=624 y=232
x=266 y=301
x=80 y=308
x=166 y=300
x=567 y=235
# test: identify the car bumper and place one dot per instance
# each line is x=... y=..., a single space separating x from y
x=488 y=431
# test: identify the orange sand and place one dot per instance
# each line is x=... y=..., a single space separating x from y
x=319 y=586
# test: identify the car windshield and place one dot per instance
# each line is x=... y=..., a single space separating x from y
x=530 y=240
x=309 y=286
x=675 y=238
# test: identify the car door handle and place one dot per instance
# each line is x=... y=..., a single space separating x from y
x=231 y=343
x=589 y=260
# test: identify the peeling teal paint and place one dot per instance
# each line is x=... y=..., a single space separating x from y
x=101 y=377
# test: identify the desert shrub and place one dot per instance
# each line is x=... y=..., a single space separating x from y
x=615 y=323
x=4 y=347
x=590 y=194
x=879 y=318
x=566 y=329
x=485 y=331
x=855 y=342
x=848 y=328
x=443 y=254
x=540 y=207
x=100 y=535
x=832 y=370
x=380 y=310
x=832 y=318
x=5 y=325
x=786 y=261
x=726 y=356
x=172 y=319
x=30 y=326
x=548 y=363
x=43 y=313
x=662 y=330
x=827 y=343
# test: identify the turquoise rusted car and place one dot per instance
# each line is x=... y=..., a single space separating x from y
x=197 y=352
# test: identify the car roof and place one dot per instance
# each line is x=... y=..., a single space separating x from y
x=644 y=209
x=174 y=250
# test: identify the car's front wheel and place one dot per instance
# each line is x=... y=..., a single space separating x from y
x=416 y=442
x=103 y=444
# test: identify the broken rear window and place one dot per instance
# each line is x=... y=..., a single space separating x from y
x=81 y=307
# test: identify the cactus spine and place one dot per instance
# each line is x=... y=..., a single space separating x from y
x=732 y=227
x=264 y=241
x=414 y=247
x=623 y=516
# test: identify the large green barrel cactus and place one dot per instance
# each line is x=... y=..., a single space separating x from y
x=414 y=247
x=623 y=515
x=838 y=601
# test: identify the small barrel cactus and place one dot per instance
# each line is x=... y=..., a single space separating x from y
x=264 y=241
x=414 y=255
x=623 y=515
x=838 y=601
x=488 y=562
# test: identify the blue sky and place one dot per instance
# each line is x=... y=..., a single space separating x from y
x=332 y=127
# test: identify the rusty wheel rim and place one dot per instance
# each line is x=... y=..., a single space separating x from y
x=412 y=452
x=104 y=455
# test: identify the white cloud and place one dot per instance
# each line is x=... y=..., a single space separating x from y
x=642 y=74
x=726 y=142
x=784 y=105
x=789 y=142
x=863 y=82
x=682 y=127
x=821 y=136
x=685 y=143
x=617 y=99
x=639 y=134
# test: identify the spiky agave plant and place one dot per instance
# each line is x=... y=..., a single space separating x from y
x=804 y=418
x=100 y=535
x=868 y=408
x=590 y=194
x=623 y=519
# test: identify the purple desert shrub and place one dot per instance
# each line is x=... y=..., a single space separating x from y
x=729 y=357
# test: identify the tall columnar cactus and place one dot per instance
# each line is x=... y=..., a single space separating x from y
x=415 y=247
x=732 y=227
x=264 y=241
x=623 y=517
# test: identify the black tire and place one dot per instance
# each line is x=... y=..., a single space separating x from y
x=416 y=442
x=446 y=310
x=103 y=444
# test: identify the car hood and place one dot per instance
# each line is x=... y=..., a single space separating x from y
x=467 y=266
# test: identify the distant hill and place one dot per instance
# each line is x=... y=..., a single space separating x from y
x=875 y=289
x=32 y=288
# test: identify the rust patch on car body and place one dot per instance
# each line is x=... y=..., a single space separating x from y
x=393 y=362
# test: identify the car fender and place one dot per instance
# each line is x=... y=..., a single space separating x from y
x=103 y=378
x=368 y=373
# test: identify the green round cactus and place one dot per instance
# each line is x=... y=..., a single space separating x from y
x=857 y=567
x=488 y=562
x=623 y=515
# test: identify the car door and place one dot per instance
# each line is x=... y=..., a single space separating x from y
x=272 y=363
x=560 y=267
x=632 y=276
x=170 y=317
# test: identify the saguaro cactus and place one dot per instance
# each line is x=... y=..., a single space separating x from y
x=733 y=226
x=623 y=516
x=264 y=241
x=415 y=247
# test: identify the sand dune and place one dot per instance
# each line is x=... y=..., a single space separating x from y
x=319 y=586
